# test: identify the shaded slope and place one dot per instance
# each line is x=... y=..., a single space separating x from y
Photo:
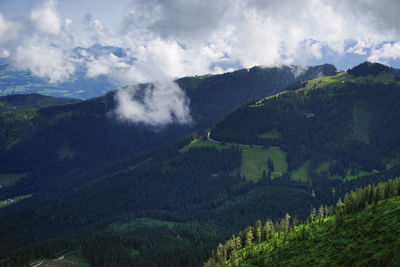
x=84 y=133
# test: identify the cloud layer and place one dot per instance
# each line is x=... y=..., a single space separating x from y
x=166 y=39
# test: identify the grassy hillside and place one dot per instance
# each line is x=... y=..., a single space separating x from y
x=363 y=230
x=255 y=159
x=255 y=162
x=348 y=120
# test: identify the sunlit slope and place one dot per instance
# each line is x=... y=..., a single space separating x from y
x=362 y=230
x=346 y=123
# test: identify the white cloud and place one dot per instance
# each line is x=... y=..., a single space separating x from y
x=46 y=18
x=156 y=105
x=386 y=52
x=4 y=53
x=43 y=60
x=8 y=30
x=105 y=65
x=67 y=22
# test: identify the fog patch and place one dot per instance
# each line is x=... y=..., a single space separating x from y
x=156 y=104
x=298 y=70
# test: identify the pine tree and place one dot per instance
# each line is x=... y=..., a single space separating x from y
x=269 y=230
x=221 y=256
x=238 y=243
x=312 y=215
x=258 y=231
x=249 y=237
x=321 y=214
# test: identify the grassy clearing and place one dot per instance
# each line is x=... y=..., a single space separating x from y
x=324 y=81
x=301 y=174
x=7 y=179
x=324 y=167
x=199 y=142
x=70 y=259
x=254 y=158
x=255 y=161
x=5 y=202
x=340 y=78
x=139 y=223
x=360 y=174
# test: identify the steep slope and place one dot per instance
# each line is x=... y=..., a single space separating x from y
x=364 y=231
x=85 y=133
x=338 y=126
x=13 y=103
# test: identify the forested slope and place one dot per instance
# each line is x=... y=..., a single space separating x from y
x=173 y=204
x=361 y=230
x=339 y=126
x=87 y=133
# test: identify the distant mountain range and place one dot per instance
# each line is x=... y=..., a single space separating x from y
x=79 y=85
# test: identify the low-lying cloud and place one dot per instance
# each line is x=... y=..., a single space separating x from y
x=154 y=104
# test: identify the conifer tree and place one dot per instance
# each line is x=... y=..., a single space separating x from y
x=249 y=237
x=258 y=231
x=321 y=214
x=312 y=215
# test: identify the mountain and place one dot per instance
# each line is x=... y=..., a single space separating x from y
x=181 y=197
x=361 y=231
x=14 y=103
x=340 y=126
x=83 y=86
x=87 y=133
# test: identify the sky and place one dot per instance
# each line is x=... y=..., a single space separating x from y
x=167 y=39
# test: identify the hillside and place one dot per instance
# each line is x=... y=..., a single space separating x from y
x=341 y=126
x=87 y=133
x=14 y=103
x=361 y=231
x=144 y=209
